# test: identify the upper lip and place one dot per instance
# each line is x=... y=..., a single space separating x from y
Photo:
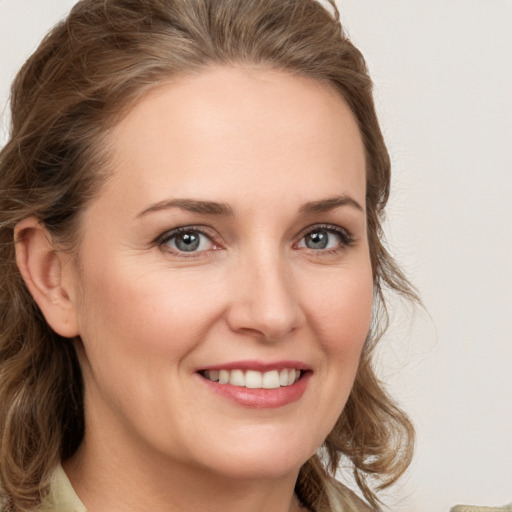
x=258 y=365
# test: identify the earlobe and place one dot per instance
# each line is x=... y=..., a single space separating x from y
x=46 y=274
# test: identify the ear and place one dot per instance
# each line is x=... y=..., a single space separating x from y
x=47 y=274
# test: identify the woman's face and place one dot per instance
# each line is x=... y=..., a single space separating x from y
x=230 y=243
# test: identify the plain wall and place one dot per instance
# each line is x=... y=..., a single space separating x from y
x=443 y=74
x=443 y=83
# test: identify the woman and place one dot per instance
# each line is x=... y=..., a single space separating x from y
x=194 y=272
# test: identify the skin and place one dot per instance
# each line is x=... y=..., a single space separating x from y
x=265 y=144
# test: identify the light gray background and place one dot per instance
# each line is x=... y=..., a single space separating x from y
x=443 y=76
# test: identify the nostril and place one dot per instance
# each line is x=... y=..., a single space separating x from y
x=258 y=321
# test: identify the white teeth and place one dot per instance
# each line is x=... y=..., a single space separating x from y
x=271 y=380
x=253 y=379
x=237 y=378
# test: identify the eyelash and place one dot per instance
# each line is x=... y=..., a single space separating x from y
x=174 y=233
x=345 y=238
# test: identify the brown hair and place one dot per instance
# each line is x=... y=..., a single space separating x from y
x=85 y=74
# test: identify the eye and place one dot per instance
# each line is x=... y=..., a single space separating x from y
x=186 y=240
x=325 y=238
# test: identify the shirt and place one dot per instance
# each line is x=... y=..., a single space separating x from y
x=62 y=497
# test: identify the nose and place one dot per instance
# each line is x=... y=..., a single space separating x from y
x=265 y=299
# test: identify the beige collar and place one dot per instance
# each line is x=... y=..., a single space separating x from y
x=471 y=508
x=62 y=497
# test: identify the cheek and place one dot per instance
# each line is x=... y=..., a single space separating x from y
x=148 y=309
x=138 y=331
x=340 y=311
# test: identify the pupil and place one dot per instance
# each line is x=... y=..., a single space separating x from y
x=187 y=242
x=317 y=240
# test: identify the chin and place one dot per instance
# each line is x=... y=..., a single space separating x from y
x=259 y=460
x=258 y=469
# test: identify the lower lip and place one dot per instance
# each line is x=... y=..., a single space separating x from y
x=261 y=398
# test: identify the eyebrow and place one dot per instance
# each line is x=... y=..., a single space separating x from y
x=329 y=204
x=191 y=205
x=214 y=208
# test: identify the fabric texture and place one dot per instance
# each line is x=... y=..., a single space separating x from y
x=62 y=497
x=471 y=508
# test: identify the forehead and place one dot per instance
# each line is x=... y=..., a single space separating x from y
x=246 y=127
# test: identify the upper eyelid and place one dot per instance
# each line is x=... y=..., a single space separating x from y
x=326 y=226
x=204 y=230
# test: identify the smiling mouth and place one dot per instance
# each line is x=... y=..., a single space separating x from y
x=253 y=379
